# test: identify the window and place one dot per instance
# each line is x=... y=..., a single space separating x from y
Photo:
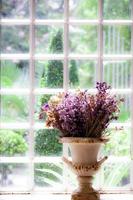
x=50 y=46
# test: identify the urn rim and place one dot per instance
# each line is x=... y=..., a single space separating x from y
x=83 y=140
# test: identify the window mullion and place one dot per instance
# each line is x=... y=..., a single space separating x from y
x=99 y=69
x=32 y=96
x=66 y=45
x=66 y=74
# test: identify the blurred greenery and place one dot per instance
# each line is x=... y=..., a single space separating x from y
x=14 y=8
x=83 y=39
x=119 y=143
x=48 y=174
x=48 y=9
x=12 y=173
x=116 y=175
x=82 y=74
x=14 y=39
x=14 y=73
x=114 y=72
x=84 y=9
x=117 y=39
x=73 y=73
x=12 y=143
x=47 y=143
x=14 y=108
x=116 y=9
x=7 y=81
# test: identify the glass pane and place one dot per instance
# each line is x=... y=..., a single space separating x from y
x=13 y=142
x=14 y=39
x=49 y=9
x=125 y=109
x=83 y=39
x=119 y=143
x=117 y=175
x=71 y=178
x=48 y=175
x=47 y=143
x=117 y=39
x=84 y=9
x=49 y=74
x=117 y=73
x=39 y=101
x=116 y=9
x=14 y=9
x=11 y=174
x=82 y=74
x=49 y=39
x=14 y=74
x=14 y=108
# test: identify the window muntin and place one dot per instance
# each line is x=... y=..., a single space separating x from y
x=102 y=60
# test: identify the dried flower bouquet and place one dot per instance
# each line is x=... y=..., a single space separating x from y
x=81 y=114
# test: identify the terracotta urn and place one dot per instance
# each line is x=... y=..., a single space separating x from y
x=84 y=163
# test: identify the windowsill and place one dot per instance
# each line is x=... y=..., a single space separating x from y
x=64 y=197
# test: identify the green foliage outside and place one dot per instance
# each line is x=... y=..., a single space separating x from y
x=12 y=73
x=14 y=108
x=116 y=175
x=7 y=81
x=117 y=9
x=13 y=9
x=12 y=143
x=47 y=143
x=86 y=9
x=55 y=74
x=73 y=74
x=48 y=174
x=14 y=39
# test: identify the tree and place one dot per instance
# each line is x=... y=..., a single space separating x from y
x=73 y=74
x=46 y=143
x=55 y=67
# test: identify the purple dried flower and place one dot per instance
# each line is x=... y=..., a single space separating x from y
x=45 y=107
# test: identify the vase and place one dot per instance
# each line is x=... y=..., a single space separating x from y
x=84 y=163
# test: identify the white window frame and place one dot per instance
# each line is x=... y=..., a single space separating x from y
x=32 y=57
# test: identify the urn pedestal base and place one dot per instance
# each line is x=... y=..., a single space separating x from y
x=83 y=196
x=85 y=190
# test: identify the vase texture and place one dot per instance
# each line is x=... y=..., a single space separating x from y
x=84 y=163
